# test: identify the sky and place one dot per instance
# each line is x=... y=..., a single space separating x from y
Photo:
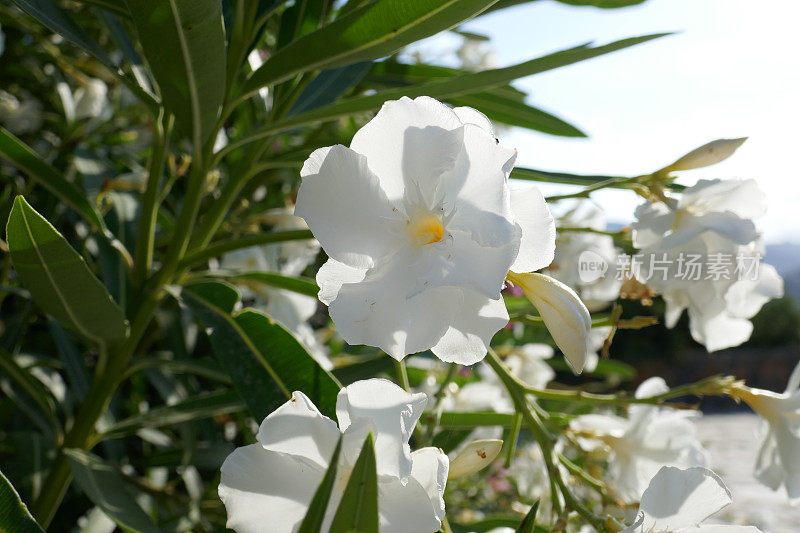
x=731 y=70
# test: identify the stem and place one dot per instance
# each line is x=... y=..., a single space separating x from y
x=545 y=440
x=143 y=259
x=402 y=375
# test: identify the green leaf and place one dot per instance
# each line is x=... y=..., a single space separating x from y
x=23 y=157
x=528 y=524
x=54 y=18
x=532 y=174
x=194 y=408
x=312 y=523
x=106 y=487
x=363 y=368
x=184 y=44
x=358 y=510
x=329 y=86
x=74 y=365
x=465 y=420
x=264 y=360
x=500 y=108
x=300 y=285
x=604 y=4
x=373 y=30
x=443 y=88
x=58 y=278
x=14 y=515
x=33 y=387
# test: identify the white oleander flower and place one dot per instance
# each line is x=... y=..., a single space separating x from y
x=273 y=481
x=421 y=230
x=596 y=289
x=679 y=501
x=639 y=445
x=778 y=460
x=290 y=309
x=710 y=222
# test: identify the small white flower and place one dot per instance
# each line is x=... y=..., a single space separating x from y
x=711 y=219
x=651 y=437
x=778 y=461
x=421 y=230
x=271 y=483
x=678 y=501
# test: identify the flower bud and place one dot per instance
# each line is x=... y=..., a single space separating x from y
x=707 y=155
x=476 y=456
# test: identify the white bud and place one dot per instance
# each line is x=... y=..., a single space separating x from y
x=475 y=456
x=707 y=155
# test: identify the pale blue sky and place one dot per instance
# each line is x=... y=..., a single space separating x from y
x=732 y=71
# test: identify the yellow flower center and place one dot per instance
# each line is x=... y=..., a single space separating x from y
x=425 y=228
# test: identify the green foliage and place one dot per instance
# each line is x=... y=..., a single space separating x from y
x=58 y=278
x=14 y=515
x=312 y=522
x=358 y=509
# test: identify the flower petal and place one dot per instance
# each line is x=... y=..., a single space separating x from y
x=468 y=115
x=404 y=508
x=261 y=487
x=342 y=202
x=409 y=136
x=297 y=428
x=332 y=275
x=719 y=331
x=679 y=498
x=393 y=413
x=430 y=467
x=471 y=329
x=563 y=313
x=743 y=198
x=538 y=241
x=387 y=310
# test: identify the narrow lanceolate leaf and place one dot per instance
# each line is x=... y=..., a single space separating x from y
x=265 y=362
x=528 y=524
x=444 y=88
x=471 y=420
x=373 y=30
x=105 y=486
x=312 y=523
x=501 y=108
x=358 y=510
x=14 y=515
x=32 y=387
x=58 y=278
x=50 y=15
x=23 y=157
x=194 y=408
x=300 y=285
x=184 y=44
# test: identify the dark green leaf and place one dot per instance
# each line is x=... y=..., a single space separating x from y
x=312 y=523
x=444 y=88
x=299 y=285
x=557 y=177
x=33 y=387
x=373 y=30
x=264 y=360
x=528 y=524
x=184 y=44
x=604 y=4
x=106 y=487
x=363 y=368
x=329 y=86
x=73 y=360
x=509 y=111
x=358 y=510
x=14 y=515
x=54 y=18
x=194 y=408
x=58 y=278
x=24 y=158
